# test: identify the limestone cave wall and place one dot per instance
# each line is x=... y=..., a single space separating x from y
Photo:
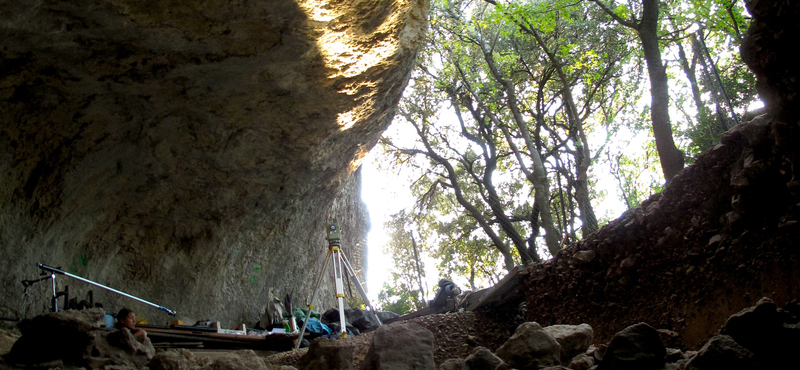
x=190 y=152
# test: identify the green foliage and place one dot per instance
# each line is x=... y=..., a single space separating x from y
x=638 y=175
x=397 y=300
x=470 y=159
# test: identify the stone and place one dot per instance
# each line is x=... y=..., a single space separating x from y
x=239 y=360
x=7 y=340
x=77 y=338
x=635 y=347
x=530 y=348
x=770 y=333
x=173 y=359
x=573 y=339
x=124 y=339
x=400 y=346
x=585 y=256
x=483 y=358
x=673 y=355
x=326 y=354
x=596 y=351
x=581 y=362
x=722 y=352
x=455 y=364
x=768 y=51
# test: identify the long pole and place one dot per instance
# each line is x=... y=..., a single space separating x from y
x=419 y=271
x=54 y=270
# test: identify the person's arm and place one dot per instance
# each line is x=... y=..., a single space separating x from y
x=139 y=334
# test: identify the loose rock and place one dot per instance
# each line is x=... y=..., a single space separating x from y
x=573 y=339
x=635 y=347
x=400 y=346
x=324 y=354
x=530 y=348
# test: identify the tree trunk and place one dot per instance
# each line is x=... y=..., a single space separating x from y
x=691 y=75
x=671 y=158
x=539 y=179
x=723 y=122
x=588 y=218
x=473 y=211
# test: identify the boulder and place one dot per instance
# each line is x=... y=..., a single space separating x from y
x=400 y=346
x=581 y=362
x=770 y=333
x=574 y=339
x=7 y=340
x=324 y=354
x=454 y=364
x=722 y=352
x=124 y=339
x=77 y=338
x=483 y=358
x=530 y=348
x=635 y=347
x=239 y=360
x=175 y=359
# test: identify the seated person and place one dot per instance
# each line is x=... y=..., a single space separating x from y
x=127 y=319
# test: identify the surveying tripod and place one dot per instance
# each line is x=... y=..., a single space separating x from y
x=340 y=261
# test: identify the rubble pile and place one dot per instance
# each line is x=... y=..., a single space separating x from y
x=762 y=336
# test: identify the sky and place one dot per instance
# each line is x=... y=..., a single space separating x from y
x=386 y=192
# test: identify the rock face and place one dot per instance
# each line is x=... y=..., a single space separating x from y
x=767 y=51
x=190 y=153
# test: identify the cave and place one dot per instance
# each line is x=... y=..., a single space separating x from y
x=191 y=153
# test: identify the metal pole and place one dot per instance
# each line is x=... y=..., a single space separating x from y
x=313 y=298
x=54 y=271
x=337 y=275
x=360 y=288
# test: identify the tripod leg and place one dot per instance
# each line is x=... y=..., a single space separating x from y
x=313 y=298
x=360 y=288
x=337 y=271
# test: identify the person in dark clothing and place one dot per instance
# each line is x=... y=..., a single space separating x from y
x=447 y=289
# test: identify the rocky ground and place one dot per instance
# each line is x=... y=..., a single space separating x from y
x=762 y=336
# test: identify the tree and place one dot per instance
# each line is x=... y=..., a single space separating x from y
x=646 y=26
x=519 y=98
x=402 y=296
x=513 y=104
